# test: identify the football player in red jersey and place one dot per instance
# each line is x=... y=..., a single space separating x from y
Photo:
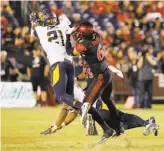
x=88 y=45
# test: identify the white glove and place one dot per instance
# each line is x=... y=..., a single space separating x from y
x=115 y=70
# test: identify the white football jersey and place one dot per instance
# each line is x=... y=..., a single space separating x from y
x=79 y=95
x=53 y=40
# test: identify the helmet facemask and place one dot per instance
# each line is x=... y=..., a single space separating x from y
x=49 y=18
x=51 y=21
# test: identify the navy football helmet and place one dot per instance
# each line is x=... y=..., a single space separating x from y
x=49 y=18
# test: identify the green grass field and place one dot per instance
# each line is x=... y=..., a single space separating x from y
x=21 y=132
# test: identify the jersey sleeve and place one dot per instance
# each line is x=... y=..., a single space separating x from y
x=80 y=47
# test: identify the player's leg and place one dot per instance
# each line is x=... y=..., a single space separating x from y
x=103 y=86
x=70 y=72
x=141 y=93
x=106 y=94
x=96 y=116
x=63 y=79
x=70 y=117
x=59 y=80
x=59 y=88
x=65 y=120
x=78 y=93
x=128 y=120
x=148 y=89
x=35 y=86
x=44 y=98
x=61 y=117
x=106 y=114
x=92 y=93
x=131 y=118
x=37 y=97
x=107 y=117
x=133 y=121
x=72 y=102
x=43 y=86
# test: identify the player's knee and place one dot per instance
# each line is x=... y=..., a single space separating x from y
x=65 y=106
x=59 y=96
x=75 y=111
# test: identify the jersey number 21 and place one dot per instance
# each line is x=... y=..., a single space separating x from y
x=56 y=36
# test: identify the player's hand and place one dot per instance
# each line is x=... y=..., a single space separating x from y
x=115 y=70
x=33 y=17
x=50 y=130
x=120 y=74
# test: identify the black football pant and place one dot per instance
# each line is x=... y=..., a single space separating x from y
x=102 y=86
x=129 y=120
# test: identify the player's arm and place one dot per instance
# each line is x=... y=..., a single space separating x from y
x=46 y=67
x=115 y=70
x=151 y=61
x=69 y=48
x=34 y=19
x=29 y=73
x=140 y=62
x=46 y=70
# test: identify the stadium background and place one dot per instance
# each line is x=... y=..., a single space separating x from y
x=124 y=26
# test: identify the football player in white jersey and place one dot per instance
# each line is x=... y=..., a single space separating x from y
x=51 y=31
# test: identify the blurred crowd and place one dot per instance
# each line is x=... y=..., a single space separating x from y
x=132 y=31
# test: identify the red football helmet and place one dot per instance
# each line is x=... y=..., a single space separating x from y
x=84 y=30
